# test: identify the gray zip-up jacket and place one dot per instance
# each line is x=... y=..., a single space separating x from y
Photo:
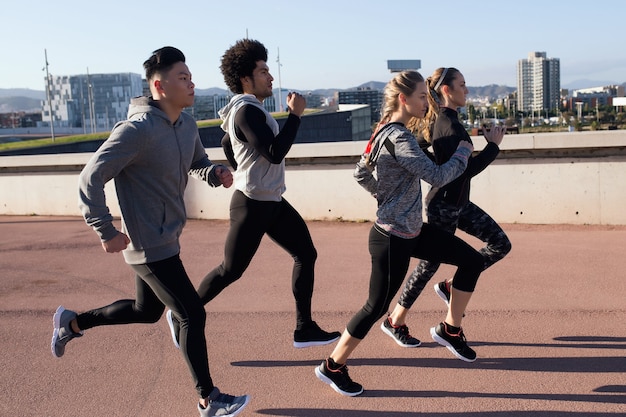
x=397 y=184
x=149 y=158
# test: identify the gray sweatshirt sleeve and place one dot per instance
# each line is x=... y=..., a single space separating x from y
x=202 y=168
x=114 y=154
x=413 y=159
x=365 y=177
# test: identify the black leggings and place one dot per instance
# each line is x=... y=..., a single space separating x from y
x=249 y=221
x=391 y=256
x=472 y=220
x=159 y=284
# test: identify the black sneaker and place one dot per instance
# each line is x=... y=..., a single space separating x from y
x=399 y=334
x=443 y=291
x=312 y=335
x=455 y=342
x=338 y=379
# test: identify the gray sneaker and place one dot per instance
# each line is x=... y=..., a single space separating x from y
x=62 y=333
x=174 y=327
x=223 y=405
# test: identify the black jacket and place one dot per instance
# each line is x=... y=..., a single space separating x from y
x=448 y=132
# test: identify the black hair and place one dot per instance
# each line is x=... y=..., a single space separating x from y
x=162 y=61
x=240 y=61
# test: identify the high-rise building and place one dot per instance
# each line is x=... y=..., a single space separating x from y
x=94 y=102
x=538 y=83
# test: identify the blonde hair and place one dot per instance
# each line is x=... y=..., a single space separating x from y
x=405 y=83
x=440 y=77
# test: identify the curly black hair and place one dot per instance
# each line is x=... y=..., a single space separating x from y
x=240 y=60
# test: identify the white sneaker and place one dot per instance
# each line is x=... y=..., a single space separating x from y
x=173 y=330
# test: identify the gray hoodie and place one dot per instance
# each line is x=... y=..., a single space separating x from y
x=149 y=158
x=397 y=184
x=256 y=177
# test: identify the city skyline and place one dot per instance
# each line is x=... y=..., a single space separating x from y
x=321 y=45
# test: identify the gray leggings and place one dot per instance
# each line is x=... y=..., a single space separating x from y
x=472 y=220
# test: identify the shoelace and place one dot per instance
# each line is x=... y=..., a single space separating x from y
x=343 y=371
x=224 y=399
x=404 y=331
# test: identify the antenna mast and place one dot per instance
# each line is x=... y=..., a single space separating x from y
x=280 y=87
x=48 y=95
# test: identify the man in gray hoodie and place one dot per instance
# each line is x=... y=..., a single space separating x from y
x=149 y=156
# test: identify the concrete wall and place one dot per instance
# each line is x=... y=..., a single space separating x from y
x=575 y=178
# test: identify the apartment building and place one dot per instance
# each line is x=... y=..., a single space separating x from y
x=538 y=83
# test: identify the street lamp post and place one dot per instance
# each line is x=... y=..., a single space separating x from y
x=48 y=87
x=280 y=87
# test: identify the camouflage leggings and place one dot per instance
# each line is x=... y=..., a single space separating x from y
x=472 y=220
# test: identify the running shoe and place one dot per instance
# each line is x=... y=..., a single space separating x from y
x=338 y=379
x=223 y=405
x=174 y=327
x=455 y=342
x=312 y=335
x=62 y=332
x=399 y=334
x=443 y=291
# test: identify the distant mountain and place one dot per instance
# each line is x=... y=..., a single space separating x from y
x=16 y=104
x=585 y=83
x=210 y=91
x=25 y=99
x=492 y=91
x=22 y=92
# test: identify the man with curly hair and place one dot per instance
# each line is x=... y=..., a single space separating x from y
x=256 y=148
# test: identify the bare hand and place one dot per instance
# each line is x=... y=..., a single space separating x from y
x=224 y=175
x=495 y=135
x=465 y=144
x=296 y=103
x=117 y=244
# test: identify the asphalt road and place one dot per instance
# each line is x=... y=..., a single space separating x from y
x=547 y=323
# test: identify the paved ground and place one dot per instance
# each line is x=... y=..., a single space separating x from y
x=547 y=323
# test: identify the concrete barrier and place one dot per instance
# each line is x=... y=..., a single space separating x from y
x=571 y=178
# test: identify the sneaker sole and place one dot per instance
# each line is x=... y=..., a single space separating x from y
x=388 y=333
x=330 y=382
x=170 y=323
x=300 y=345
x=56 y=322
x=441 y=295
x=444 y=342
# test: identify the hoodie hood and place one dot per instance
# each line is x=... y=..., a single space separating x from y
x=142 y=105
x=235 y=103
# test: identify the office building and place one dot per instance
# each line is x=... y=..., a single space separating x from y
x=372 y=97
x=94 y=102
x=538 y=83
x=596 y=96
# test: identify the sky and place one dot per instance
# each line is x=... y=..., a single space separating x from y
x=322 y=43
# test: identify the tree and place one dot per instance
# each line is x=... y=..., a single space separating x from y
x=471 y=113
